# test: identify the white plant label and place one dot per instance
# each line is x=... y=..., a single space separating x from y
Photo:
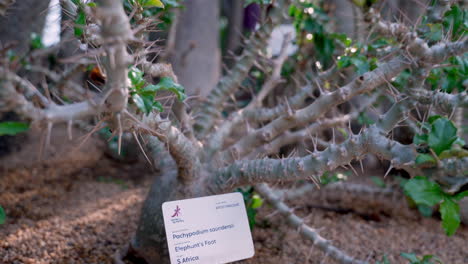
x=208 y=230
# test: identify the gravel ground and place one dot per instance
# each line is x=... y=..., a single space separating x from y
x=83 y=213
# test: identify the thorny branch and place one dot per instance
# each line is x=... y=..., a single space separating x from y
x=197 y=149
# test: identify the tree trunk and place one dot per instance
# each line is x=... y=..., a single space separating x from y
x=150 y=238
x=235 y=14
x=196 y=58
x=23 y=18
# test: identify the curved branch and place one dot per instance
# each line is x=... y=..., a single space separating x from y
x=311 y=113
x=182 y=150
x=306 y=231
x=371 y=140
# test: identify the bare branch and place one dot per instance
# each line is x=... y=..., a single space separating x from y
x=306 y=231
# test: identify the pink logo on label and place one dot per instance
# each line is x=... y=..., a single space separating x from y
x=176 y=211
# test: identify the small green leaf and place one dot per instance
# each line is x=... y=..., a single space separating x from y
x=364 y=119
x=424 y=191
x=361 y=64
x=427 y=259
x=410 y=256
x=454 y=153
x=80 y=23
x=420 y=139
x=342 y=38
x=136 y=78
x=455 y=19
x=144 y=103
x=384 y=260
x=425 y=210
x=91 y=4
x=450 y=212
x=2 y=216
x=433 y=118
x=36 y=41
x=378 y=182
x=435 y=33
x=168 y=84
x=443 y=133
x=460 y=141
x=257 y=201
x=12 y=128
x=343 y=62
x=425 y=159
x=457 y=197
x=157 y=105
x=152 y=3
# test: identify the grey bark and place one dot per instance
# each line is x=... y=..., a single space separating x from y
x=235 y=19
x=196 y=57
x=235 y=13
x=23 y=18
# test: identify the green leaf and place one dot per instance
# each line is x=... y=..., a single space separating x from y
x=364 y=119
x=168 y=84
x=455 y=19
x=361 y=63
x=425 y=210
x=425 y=159
x=457 y=197
x=443 y=133
x=12 y=128
x=144 y=103
x=378 y=182
x=343 y=62
x=136 y=78
x=384 y=260
x=36 y=41
x=152 y=3
x=450 y=212
x=410 y=256
x=460 y=141
x=433 y=118
x=454 y=152
x=435 y=33
x=427 y=259
x=2 y=216
x=424 y=191
x=80 y=23
x=251 y=214
x=420 y=139
x=157 y=105
x=342 y=38
x=257 y=201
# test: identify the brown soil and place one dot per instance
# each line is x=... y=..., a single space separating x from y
x=84 y=209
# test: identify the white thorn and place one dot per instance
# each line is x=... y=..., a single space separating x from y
x=49 y=132
x=141 y=147
x=120 y=134
x=69 y=129
x=352 y=168
x=388 y=171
